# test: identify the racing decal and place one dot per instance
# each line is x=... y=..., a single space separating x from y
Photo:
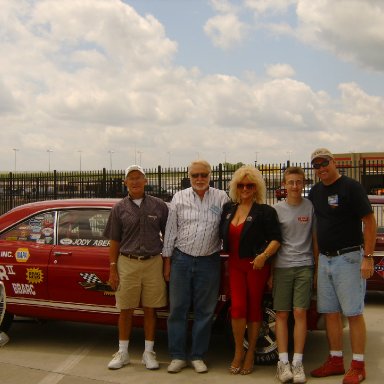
x=34 y=275
x=5 y=271
x=101 y=243
x=48 y=231
x=23 y=289
x=93 y=283
x=84 y=242
x=379 y=268
x=6 y=254
x=22 y=255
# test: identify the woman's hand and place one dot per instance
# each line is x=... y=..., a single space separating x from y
x=259 y=261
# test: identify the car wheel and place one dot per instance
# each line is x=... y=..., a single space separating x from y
x=7 y=322
x=266 y=348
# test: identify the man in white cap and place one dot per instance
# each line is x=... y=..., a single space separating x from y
x=136 y=265
x=345 y=262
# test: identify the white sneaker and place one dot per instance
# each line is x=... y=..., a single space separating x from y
x=176 y=365
x=284 y=373
x=119 y=360
x=4 y=338
x=298 y=373
x=149 y=360
x=199 y=366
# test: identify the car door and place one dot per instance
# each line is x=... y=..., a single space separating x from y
x=25 y=249
x=78 y=267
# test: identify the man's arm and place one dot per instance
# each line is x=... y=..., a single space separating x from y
x=369 y=232
x=114 y=250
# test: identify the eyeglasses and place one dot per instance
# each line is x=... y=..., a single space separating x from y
x=324 y=163
x=202 y=175
x=246 y=186
x=291 y=183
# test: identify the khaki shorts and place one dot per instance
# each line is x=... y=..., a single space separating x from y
x=141 y=282
x=292 y=288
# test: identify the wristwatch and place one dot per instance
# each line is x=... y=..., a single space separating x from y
x=369 y=256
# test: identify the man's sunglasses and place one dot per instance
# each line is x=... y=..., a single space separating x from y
x=202 y=175
x=324 y=163
x=246 y=186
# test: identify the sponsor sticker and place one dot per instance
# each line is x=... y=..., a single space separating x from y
x=22 y=255
x=23 y=289
x=47 y=231
x=35 y=275
x=6 y=254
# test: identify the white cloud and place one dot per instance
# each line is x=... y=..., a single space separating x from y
x=225 y=30
x=280 y=70
x=351 y=29
x=266 y=6
x=96 y=76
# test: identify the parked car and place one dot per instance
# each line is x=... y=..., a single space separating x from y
x=376 y=282
x=281 y=193
x=54 y=264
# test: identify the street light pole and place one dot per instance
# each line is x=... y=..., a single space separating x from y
x=139 y=153
x=289 y=156
x=110 y=158
x=169 y=160
x=80 y=151
x=49 y=159
x=15 y=150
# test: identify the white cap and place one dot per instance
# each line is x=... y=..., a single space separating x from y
x=134 y=168
x=322 y=153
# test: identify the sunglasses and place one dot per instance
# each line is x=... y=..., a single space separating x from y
x=202 y=175
x=246 y=186
x=324 y=163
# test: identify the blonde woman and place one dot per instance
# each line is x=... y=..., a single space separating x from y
x=251 y=235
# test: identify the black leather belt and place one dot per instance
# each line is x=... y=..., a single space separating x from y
x=341 y=251
x=137 y=257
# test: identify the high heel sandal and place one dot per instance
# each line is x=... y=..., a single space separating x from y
x=246 y=371
x=234 y=370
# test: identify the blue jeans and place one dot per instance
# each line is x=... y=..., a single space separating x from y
x=194 y=281
x=340 y=287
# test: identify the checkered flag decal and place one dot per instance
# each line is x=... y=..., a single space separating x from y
x=90 y=278
x=93 y=283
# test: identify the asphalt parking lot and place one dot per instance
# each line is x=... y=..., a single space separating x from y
x=74 y=353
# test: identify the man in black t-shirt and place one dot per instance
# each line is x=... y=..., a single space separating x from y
x=345 y=262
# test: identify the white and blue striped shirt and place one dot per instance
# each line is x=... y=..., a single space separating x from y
x=193 y=224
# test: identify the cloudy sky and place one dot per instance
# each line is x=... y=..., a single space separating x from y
x=161 y=82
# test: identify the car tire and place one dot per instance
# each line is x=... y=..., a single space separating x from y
x=7 y=322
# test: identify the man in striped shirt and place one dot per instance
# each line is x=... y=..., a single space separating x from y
x=192 y=265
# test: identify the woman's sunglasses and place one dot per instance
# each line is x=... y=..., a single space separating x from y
x=246 y=186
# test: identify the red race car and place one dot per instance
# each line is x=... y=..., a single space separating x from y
x=54 y=264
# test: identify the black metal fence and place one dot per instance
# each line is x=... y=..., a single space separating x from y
x=23 y=187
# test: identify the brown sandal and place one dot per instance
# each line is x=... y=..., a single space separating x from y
x=234 y=370
x=246 y=371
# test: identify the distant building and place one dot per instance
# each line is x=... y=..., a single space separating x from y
x=366 y=167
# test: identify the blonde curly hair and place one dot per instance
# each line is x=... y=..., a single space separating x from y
x=255 y=176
